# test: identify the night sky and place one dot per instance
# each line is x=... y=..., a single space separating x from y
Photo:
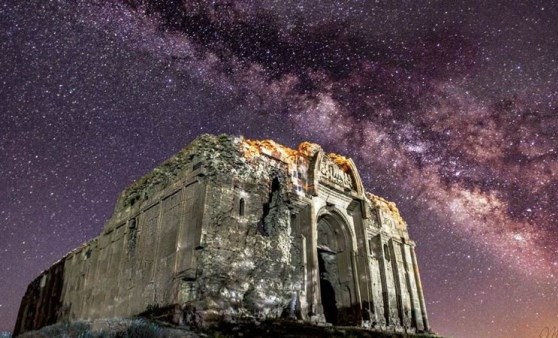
x=448 y=108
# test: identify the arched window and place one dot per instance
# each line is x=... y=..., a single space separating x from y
x=241 y=207
x=386 y=252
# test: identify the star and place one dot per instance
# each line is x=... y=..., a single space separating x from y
x=448 y=109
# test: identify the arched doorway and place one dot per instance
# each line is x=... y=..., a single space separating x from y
x=335 y=270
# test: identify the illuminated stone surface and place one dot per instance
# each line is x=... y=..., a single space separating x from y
x=232 y=229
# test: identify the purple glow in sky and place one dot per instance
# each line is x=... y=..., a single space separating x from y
x=448 y=108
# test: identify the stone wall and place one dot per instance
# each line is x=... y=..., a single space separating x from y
x=232 y=229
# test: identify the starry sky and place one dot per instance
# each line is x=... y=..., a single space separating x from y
x=448 y=108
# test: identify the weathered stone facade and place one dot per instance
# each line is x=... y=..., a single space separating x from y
x=231 y=229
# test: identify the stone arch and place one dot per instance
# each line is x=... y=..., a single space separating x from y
x=314 y=173
x=340 y=218
x=356 y=176
x=335 y=253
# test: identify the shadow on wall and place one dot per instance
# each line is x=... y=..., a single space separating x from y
x=42 y=303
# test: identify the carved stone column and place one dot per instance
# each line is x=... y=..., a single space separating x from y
x=419 y=289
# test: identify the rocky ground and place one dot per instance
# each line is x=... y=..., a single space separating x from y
x=144 y=328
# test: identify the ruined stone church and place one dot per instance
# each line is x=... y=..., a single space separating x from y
x=238 y=229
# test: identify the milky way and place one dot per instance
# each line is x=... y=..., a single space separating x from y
x=450 y=110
